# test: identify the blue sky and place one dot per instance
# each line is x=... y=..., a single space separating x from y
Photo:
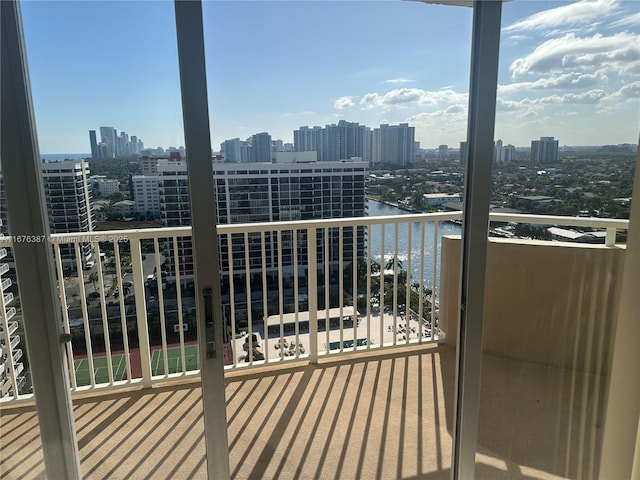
x=568 y=69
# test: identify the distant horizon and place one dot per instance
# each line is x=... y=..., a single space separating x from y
x=73 y=156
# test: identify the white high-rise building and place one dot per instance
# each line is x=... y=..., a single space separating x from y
x=307 y=139
x=10 y=365
x=293 y=187
x=261 y=147
x=392 y=144
x=236 y=150
x=506 y=153
x=333 y=142
x=68 y=198
x=147 y=196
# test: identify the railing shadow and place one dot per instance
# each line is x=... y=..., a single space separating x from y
x=354 y=417
x=375 y=415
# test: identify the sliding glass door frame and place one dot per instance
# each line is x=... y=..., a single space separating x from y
x=20 y=159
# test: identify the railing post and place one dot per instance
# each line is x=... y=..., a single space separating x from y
x=141 y=311
x=312 y=270
x=611 y=236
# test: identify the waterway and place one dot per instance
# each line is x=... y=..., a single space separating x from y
x=377 y=209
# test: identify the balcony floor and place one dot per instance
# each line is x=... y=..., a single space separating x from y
x=379 y=415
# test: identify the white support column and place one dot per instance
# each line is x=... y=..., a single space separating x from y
x=210 y=318
x=34 y=259
x=611 y=236
x=141 y=311
x=621 y=435
x=312 y=297
x=475 y=228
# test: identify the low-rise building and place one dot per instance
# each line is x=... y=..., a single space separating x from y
x=437 y=199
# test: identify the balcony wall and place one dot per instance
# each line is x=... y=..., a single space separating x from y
x=552 y=303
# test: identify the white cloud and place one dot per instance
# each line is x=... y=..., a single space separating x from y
x=584 y=12
x=343 y=102
x=592 y=96
x=401 y=97
x=456 y=111
x=529 y=106
x=632 y=20
x=630 y=91
x=398 y=80
x=619 y=52
x=565 y=81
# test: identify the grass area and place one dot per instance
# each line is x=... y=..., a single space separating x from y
x=174 y=360
x=100 y=369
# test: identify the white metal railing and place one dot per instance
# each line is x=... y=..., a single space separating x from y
x=298 y=289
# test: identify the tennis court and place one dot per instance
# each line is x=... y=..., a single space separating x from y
x=174 y=359
x=100 y=369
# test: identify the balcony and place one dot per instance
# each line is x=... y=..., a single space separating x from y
x=293 y=412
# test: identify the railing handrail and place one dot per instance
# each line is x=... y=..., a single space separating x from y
x=150 y=233
x=312 y=243
x=593 y=222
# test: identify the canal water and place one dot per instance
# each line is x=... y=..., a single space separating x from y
x=377 y=209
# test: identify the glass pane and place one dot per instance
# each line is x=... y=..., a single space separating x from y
x=106 y=93
x=296 y=91
x=565 y=144
x=115 y=186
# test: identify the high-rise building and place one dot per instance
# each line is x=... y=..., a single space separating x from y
x=277 y=146
x=392 y=144
x=443 y=152
x=103 y=151
x=109 y=137
x=506 y=153
x=10 y=365
x=344 y=140
x=236 y=150
x=68 y=199
x=113 y=145
x=147 y=196
x=124 y=146
x=544 y=150
x=334 y=142
x=290 y=188
x=463 y=152
x=260 y=148
x=307 y=139
x=94 y=144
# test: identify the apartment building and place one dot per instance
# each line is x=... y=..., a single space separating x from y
x=293 y=187
x=544 y=150
x=68 y=198
x=392 y=144
x=10 y=355
x=105 y=186
x=146 y=195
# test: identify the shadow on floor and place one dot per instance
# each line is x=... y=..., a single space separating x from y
x=373 y=416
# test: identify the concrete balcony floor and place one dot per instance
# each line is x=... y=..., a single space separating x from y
x=377 y=415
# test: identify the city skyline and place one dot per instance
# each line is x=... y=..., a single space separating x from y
x=566 y=69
